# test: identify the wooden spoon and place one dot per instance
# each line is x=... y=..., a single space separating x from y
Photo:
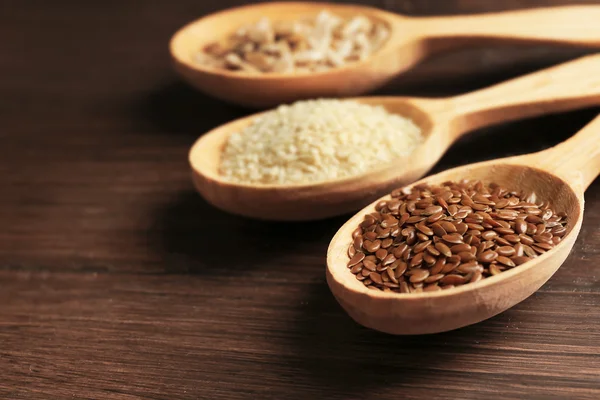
x=571 y=85
x=559 y=175
x=411 y=40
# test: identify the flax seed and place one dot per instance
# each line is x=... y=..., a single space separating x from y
x=449 y=267
x=542 y=239
x=429 y=259
x=375 y=277
x=461 y=228
x=559 y=231
x=419 y=275
x=433 y=251
x=400 y=269
x=351 y=251
x=448 y=227
x=389 y=259
x=518 y=260
x=529 y=252
x=489 y=235
x=358 y=257
x=453 y=279
x=453 y=238
x=487 y=256
x=503 y=242
x=381 y=254
x=518 y=249
x=466 y=256
x=370 y=265
x=416 y=260
x=356 y=269
x=494 y=270
x=469 y=267
x=438 y=266
x=506 y=261
x=457 y=248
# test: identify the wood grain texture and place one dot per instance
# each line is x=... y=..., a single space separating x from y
x=118 y=282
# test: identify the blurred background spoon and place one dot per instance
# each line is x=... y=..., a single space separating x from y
x=559 y=175
x=568 y=86
x=412 y=39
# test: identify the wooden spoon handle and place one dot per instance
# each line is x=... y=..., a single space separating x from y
x=577 y=160
x=568 y=86
x=568 y=25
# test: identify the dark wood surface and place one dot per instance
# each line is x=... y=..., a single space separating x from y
x=117 y=281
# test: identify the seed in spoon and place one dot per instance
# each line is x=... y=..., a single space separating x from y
x=459 y=244
x=436 y=265
x=458 y=248
x=424 y=229
x=419 y=275
x=370 y=265
x=358 y=257
x=371 y=246
x=506 y=251
x=453 y=279
x=466 y=256
x=518 y=260
x=453 y=238
x=443 y=249
x=449 y=227
x=375 y=277
x=306 y=126
x=488 y=256
x=505 y=260
x=279 y=46
x=381 y=254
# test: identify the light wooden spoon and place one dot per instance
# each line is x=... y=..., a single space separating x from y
x=411 y=40
x=559 y=175
x=572 y=85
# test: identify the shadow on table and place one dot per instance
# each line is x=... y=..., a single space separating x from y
x=520 y=137
x=176 y=108
x=195 y=237
x=337 y=353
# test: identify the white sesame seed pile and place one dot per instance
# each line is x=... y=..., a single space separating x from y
x=317 y=140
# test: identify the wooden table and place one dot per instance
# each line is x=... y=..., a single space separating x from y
x=117 y=281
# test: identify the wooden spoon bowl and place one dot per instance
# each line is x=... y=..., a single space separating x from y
x=411 y=40
x=559 y=175
x=263 y=90
x=568 y=86
x=304 y=201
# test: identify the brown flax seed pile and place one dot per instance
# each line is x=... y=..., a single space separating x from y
x=438 y=237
